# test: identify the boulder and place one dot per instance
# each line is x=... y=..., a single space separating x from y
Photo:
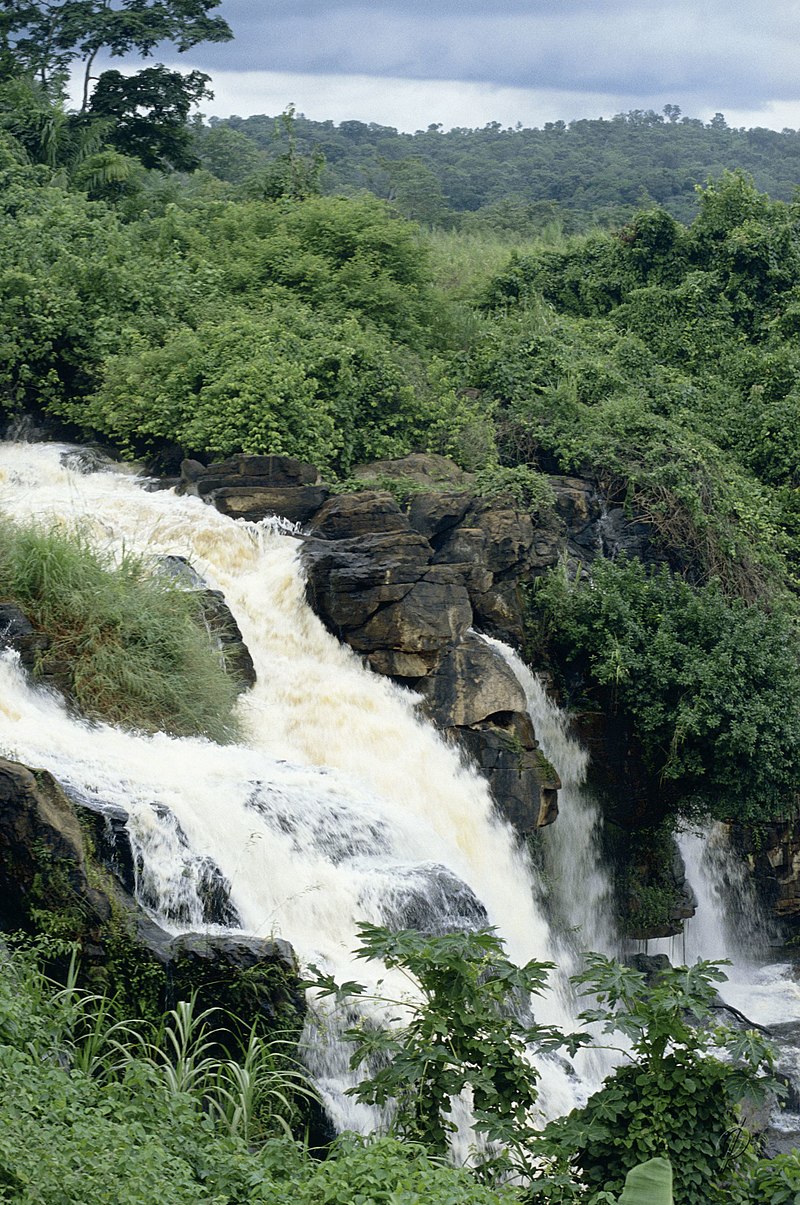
x=421 y=468
x=523 y=783
x=433 y=515
x=254 y=503
x=772 y=854
x=256 y=487
x=381 y=593
x=350 y=516
x=18 y=633
x=470 y=683
x=43 y=866
x=275 y=472
x=249 y=978
x=218 y=618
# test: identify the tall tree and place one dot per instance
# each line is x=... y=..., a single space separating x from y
x=46 y=37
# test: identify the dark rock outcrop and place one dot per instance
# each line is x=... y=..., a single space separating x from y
x=53 y=880
x=772 y=853
x=218 y=618
x=381 y=585
x=17 y=632
x=255 y=487
x=380 y=593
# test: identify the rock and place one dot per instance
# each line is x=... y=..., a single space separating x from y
x=401 y=590
x=348 y=516
x=43 y=866
x=273 y=472
x=49 y=882
x=496 y=543
x=578 y=505
x=772 y=854
x=523 y=783
x=248 y=978
x=18 y=633
x=182 y=573
x=222 y=625
x=256 y=502
x=87 y=460
x=435 y=514
x=471 y=683
x=433 y=900
x=394 y=663
x=650 y=965
x=622 y=535
x=421 y=468
x=380 y=593
x=218 y=618
x=256 y=487
x=108 y=828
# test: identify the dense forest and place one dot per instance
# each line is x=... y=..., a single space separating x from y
x=525 y=303
x=519 y=181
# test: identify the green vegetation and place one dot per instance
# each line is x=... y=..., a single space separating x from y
x=466 y=1025
x=676 y=1096
x=131 y=644
x=95 y=1104
x=520 y=182
x=711 y=684
x=468 y=1028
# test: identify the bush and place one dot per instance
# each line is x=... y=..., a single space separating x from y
x=677 y=1097
x=137 y=653
x=711 y=684
x=283 y=380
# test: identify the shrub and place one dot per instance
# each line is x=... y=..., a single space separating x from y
x=712 y=685
x=676 y=1097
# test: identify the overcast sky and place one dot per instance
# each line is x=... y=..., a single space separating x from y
x=408 y=63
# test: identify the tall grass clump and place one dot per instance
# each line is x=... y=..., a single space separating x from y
x=130 y=644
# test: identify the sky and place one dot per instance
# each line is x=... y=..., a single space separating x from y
x=410 y=63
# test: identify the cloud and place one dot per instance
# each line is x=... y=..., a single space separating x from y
x=721 y=53
x=411 y=105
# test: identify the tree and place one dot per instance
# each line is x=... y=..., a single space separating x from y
x=148 y=112
x=468 y=1026
x=45 y=37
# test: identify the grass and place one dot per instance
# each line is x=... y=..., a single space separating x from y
x=132 y=644
x=464 y=262
x=97 y=1109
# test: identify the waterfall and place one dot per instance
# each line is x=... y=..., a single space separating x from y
x=729 y=924
x=339 y=805
x=578 y=888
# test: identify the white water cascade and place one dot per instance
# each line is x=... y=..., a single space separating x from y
x=578 y=886
x=339 y=806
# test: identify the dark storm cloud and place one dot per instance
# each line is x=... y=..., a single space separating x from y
x=731 y=50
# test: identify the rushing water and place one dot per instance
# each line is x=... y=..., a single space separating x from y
x=578 y=887
x=339 y=806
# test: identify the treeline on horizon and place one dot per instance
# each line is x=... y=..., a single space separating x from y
x=589 y=172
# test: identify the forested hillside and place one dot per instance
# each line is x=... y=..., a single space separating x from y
x=517 y=181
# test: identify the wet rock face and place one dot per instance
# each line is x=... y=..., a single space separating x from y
x=255 y=487
x=17 y=632
x=772 y=853
x=218 y=618
x=406 y=600
x=42 y=860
